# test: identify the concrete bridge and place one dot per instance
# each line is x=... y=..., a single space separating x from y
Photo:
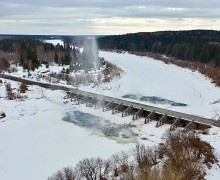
x=126 y=108
x=137 y=110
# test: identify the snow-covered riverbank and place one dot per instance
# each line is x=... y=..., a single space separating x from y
x=36 y=140
x=147 y=77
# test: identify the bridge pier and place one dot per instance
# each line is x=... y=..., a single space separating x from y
x=99 y=103
x=83 y=99
x=138 y=114
x=117 y=109
x=161 y=121
x=90 y=102
x=76 y=97
x=127 y=111
x=189 y=126
x=149 y=117
x=175 y=124
x=108 y=106
x=67 y=96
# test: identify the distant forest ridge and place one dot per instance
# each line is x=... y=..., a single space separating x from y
x=193 y=45
x=196 y=49
x=46 y=37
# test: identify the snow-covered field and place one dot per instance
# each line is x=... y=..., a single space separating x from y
x=55 y=41
x=35 y=141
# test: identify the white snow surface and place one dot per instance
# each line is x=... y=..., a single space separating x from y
x=55 y=41
x=148 y=77
x=35 y=141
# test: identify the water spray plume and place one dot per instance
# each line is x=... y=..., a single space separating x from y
x=90 y=47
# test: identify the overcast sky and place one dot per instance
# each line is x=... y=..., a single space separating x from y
x=88 y=17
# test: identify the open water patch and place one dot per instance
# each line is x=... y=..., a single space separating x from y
x=153 y=100
x=120 y=132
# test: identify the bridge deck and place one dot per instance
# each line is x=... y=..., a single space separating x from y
x=184 y=116
x=157 y=110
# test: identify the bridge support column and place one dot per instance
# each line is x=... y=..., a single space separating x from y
x=72 y=97
x=175 y=124
x=149 y=117
x=189 y=126
x=127 y=111
x=108 y=106
x=99 y=103
x=161 y=120
x=83 y=99
x=117 y=109
x=138 y=114
x=90 y=102
x=67 y=96
x=76 y=97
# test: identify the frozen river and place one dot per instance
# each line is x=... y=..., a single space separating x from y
x=145 y=77
x=43 y=134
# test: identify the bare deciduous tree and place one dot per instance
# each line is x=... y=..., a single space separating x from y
x=120 y=163
x=67 y=173
x=93 y=169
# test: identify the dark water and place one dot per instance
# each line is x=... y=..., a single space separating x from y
x=154 y=100
x=99 y=125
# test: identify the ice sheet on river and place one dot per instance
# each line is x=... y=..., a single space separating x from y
x=153 y=99
x=100 y=126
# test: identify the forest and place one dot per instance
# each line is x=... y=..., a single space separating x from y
x=198 y=50
x=194 y=45
x=31 y=53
